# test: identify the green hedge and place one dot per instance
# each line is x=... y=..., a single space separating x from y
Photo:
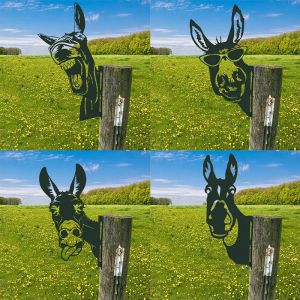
x=284 y=194
x=287 y=44
x=10 y=201
x=136 y=43
x=133 y=194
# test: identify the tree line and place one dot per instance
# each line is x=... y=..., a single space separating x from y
x=10 y=51
x=10 y=201
x=133 y=44
x=132 y=194
x=284 y=194
x=287 y=44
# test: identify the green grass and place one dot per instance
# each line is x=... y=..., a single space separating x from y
x=172 y=256
x=38 y=110
x=186 y=114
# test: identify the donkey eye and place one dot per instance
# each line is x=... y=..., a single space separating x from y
x=236 y=54
x=208 y=190
x=231 y=191
x=63 y=233
x=211 y=60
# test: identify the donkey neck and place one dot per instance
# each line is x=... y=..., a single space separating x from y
x=90 y=230
x=90 y=104
x=239 y=252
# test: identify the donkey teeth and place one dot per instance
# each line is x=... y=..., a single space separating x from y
x=67 y=65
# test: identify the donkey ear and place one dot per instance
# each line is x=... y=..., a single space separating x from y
x=208 y=170
x=237 y=26
x=47 y=185
x=78 y=182
x=199 y=37
x=48 y=39
x=79 y=18
x=231 y=170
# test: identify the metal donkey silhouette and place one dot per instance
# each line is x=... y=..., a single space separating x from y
x=72 y=224
x=229 y=75
x=71 y=53
x=222 y=214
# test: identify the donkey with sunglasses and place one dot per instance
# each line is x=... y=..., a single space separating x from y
x=229 y=75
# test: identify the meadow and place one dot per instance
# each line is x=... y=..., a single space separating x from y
x=38 y=110
x=186 y=114
x=172 y=256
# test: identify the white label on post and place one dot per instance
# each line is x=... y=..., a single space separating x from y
x=119 y=111
x=269 y=261
x=269 y=111
x=119 y=258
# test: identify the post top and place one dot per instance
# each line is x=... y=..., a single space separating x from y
x=268 y=67
x=267 y=217
x=115 y=66
x=117 y=216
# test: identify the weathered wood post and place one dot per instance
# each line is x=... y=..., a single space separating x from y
x=267 y=82
x=266 y=235
x=116 y=87
x=116 y=235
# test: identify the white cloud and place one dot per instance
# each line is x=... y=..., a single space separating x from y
x=273 y=15
x=161 y=30
x=11 y=30
x=12 y=4
x=244 y=167
x=11 y=180
x=161 y=180
x=123 y=15
x=163 y=5
x=272 y=165
x=91 y=167
x=180 y=194
x=247 y=17
x=91 y=17
x=122 y=165
x=295 y=2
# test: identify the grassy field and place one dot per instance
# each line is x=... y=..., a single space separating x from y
x=38 y=110
x=186 y=114
x=172 y=256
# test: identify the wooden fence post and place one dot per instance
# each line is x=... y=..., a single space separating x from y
x=116 y=235
x=116 y=87
x=267 y=82
x=266 y=232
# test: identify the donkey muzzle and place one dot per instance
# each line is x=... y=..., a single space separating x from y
x=70 y=239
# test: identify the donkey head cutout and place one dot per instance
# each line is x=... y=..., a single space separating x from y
x=222 y=214
x=72 y=224
x=71 y=53
x=229 y=75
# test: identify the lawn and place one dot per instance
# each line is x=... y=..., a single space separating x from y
x=172 y=256
x=186 y=114
x=38 y=110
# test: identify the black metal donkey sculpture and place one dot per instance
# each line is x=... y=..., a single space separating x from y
x=229 y=75
x=72 y=224
x=222 y=214
x=71 y=53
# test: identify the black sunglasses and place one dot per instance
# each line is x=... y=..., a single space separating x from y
x=213 y=60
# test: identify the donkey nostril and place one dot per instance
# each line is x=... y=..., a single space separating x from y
x=76 y=232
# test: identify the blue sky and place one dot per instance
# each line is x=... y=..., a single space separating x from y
x=178 y=174
x=170 y=20
x=22 y=20
x=19 y=171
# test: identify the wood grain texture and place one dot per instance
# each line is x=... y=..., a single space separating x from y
x=267 y=81
x=116 y=81
x=266 y=231
x=116 y=231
